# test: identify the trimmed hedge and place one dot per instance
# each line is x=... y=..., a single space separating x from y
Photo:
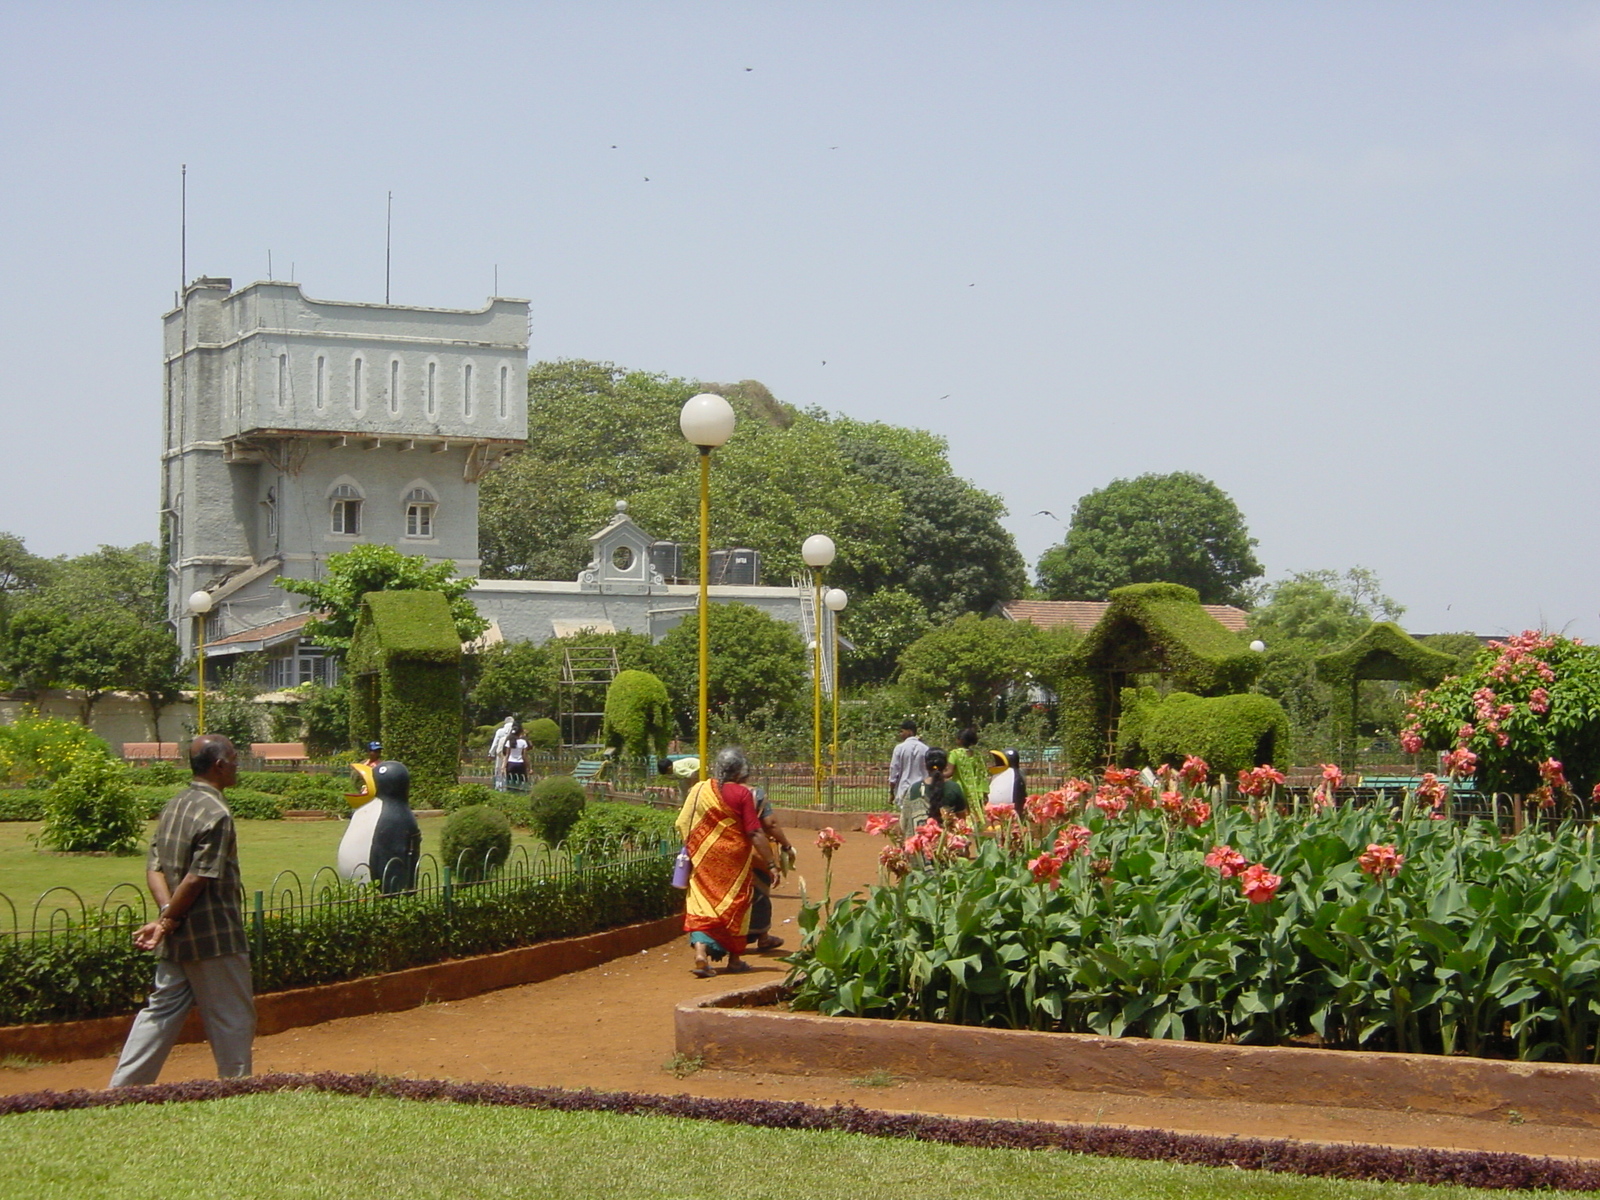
x=1232 y=733
x=638 y=716
x=609 y=827
x=97 y=973
x=543 y=734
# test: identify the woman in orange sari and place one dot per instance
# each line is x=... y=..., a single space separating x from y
x=721 y=829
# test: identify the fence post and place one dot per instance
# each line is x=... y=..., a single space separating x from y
x=449 y=892
x=258 y=929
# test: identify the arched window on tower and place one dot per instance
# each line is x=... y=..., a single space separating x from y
x=345 y=511
x=420 y=506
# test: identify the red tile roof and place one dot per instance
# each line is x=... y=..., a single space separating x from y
x=1084 y=615
x=264 y=633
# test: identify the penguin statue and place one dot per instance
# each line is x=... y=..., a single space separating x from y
x=383 y=841
x=1006 y=782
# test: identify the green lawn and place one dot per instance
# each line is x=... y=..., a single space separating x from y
x=307 y=1144
x=265 y=848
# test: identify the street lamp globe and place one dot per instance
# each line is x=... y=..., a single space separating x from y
x=706 y=420
x=818 y=550
x=200 y=603
x=1258 y=646
x=834 y=600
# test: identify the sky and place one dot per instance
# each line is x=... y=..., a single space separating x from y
x=1340 y=258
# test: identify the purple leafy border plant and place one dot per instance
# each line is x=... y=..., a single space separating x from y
x=1468 y=1168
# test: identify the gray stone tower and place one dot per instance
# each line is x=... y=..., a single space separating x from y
x=296 y=428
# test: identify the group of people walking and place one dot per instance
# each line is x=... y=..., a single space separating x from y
x=928 y=783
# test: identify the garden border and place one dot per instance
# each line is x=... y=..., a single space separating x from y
x=738 y=1030
x=453 y=979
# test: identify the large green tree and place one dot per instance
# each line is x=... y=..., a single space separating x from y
x=970 y=664
x=758 y=665
x=370 y=568
x=95 y=623
x=1177 y=528
x=901 y=519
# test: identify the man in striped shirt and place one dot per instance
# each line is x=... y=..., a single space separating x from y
x=202 y=953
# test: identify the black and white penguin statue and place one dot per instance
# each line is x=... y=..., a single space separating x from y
x=383 y=841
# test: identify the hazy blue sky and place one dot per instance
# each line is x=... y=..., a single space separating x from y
x=1339 y=257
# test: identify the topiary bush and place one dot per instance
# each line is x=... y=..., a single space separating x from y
x=543 y=734
x=1232 y=733
x=476 y=841
x=554 y=806
x=93 y=807
x=638 y=717
x=608 y=828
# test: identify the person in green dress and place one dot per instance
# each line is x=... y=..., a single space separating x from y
x=968 y=766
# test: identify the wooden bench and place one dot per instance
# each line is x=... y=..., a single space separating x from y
x=588 y=770
x=279 y=752
x=151 y=752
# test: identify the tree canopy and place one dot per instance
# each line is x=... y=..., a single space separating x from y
x=372 y=568
x=758 y=664
x=1177 y=528
x=970 y=664
x=901 y=519
x=1325 y=607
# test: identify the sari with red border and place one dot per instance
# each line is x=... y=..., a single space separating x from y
x=721 y=883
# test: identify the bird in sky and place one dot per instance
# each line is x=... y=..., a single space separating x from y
x=1045 y=512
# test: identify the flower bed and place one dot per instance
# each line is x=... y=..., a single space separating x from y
x=1119 y=908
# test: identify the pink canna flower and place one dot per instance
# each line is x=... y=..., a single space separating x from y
x=1228 y=861
x=1411 y=741
x=1196 y=813
x=893 y=860
x=1381 y=861
x=887 y=824
x=1072 y=840
x=1332 y=776
x=1171 y=803
x=1258 y=884
x=1043 y=809
x=1552 y=773
x=1194 y=770
x=828 y=840
x=997 y=813
x=1110 y=801
x=1045 y=869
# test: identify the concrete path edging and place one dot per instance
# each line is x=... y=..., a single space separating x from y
x=454 y=979
x=741 y=1030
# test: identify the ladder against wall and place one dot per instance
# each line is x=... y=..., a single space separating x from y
x=586 y=674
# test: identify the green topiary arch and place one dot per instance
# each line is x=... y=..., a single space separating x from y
x=1384 y=651
x=1148 y=628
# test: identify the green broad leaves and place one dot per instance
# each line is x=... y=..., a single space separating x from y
x=1480 y=945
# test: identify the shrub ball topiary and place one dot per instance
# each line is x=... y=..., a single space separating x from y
x=555 y=804
x=93 y=807
x=608 y=828
x=475 y=842
x=543 y=734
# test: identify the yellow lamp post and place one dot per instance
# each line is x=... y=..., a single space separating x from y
x=199 y=606
x=817 y=552
x=707 y=421
x=834 y=600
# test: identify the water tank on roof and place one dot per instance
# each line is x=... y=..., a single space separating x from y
x=668 y=560
x=736 y=568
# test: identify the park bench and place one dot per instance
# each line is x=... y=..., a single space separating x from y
x=293 y=753
x=588 y=770
x=150 y=752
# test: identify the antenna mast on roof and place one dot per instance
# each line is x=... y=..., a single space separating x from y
x=183 y=228
x=388 y=230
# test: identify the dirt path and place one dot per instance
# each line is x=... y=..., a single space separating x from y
x=611 y=1028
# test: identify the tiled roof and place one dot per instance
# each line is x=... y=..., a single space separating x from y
x=265 y=634
x=1084 y=615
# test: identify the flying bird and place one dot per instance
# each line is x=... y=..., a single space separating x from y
x=1045 y=512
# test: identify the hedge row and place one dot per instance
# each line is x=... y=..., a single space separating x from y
x=97 y=972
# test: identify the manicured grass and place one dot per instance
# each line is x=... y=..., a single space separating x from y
x=265 y=849
x=307 y=1144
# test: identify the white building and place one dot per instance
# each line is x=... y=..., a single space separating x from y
x=296 y=428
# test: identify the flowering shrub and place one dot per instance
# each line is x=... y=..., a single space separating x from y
x=1363 y=927
x=44 y=748
x=1530 y=699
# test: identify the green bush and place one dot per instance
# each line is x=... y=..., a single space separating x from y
x=608 y=828
x=243 y=803
x=476 y=841
x=554 y=806
x=307 y=790
x=1232 y=733
x=44 y=748
x=638 y=717
x=21 y=804
x=93 y=807
x=481 y=736
x=543 y=734
x=465 y=795
x=163 y=774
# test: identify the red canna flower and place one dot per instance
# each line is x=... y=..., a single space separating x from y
x=1258 y=884
x=1228 y=861
x=1381 y=861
